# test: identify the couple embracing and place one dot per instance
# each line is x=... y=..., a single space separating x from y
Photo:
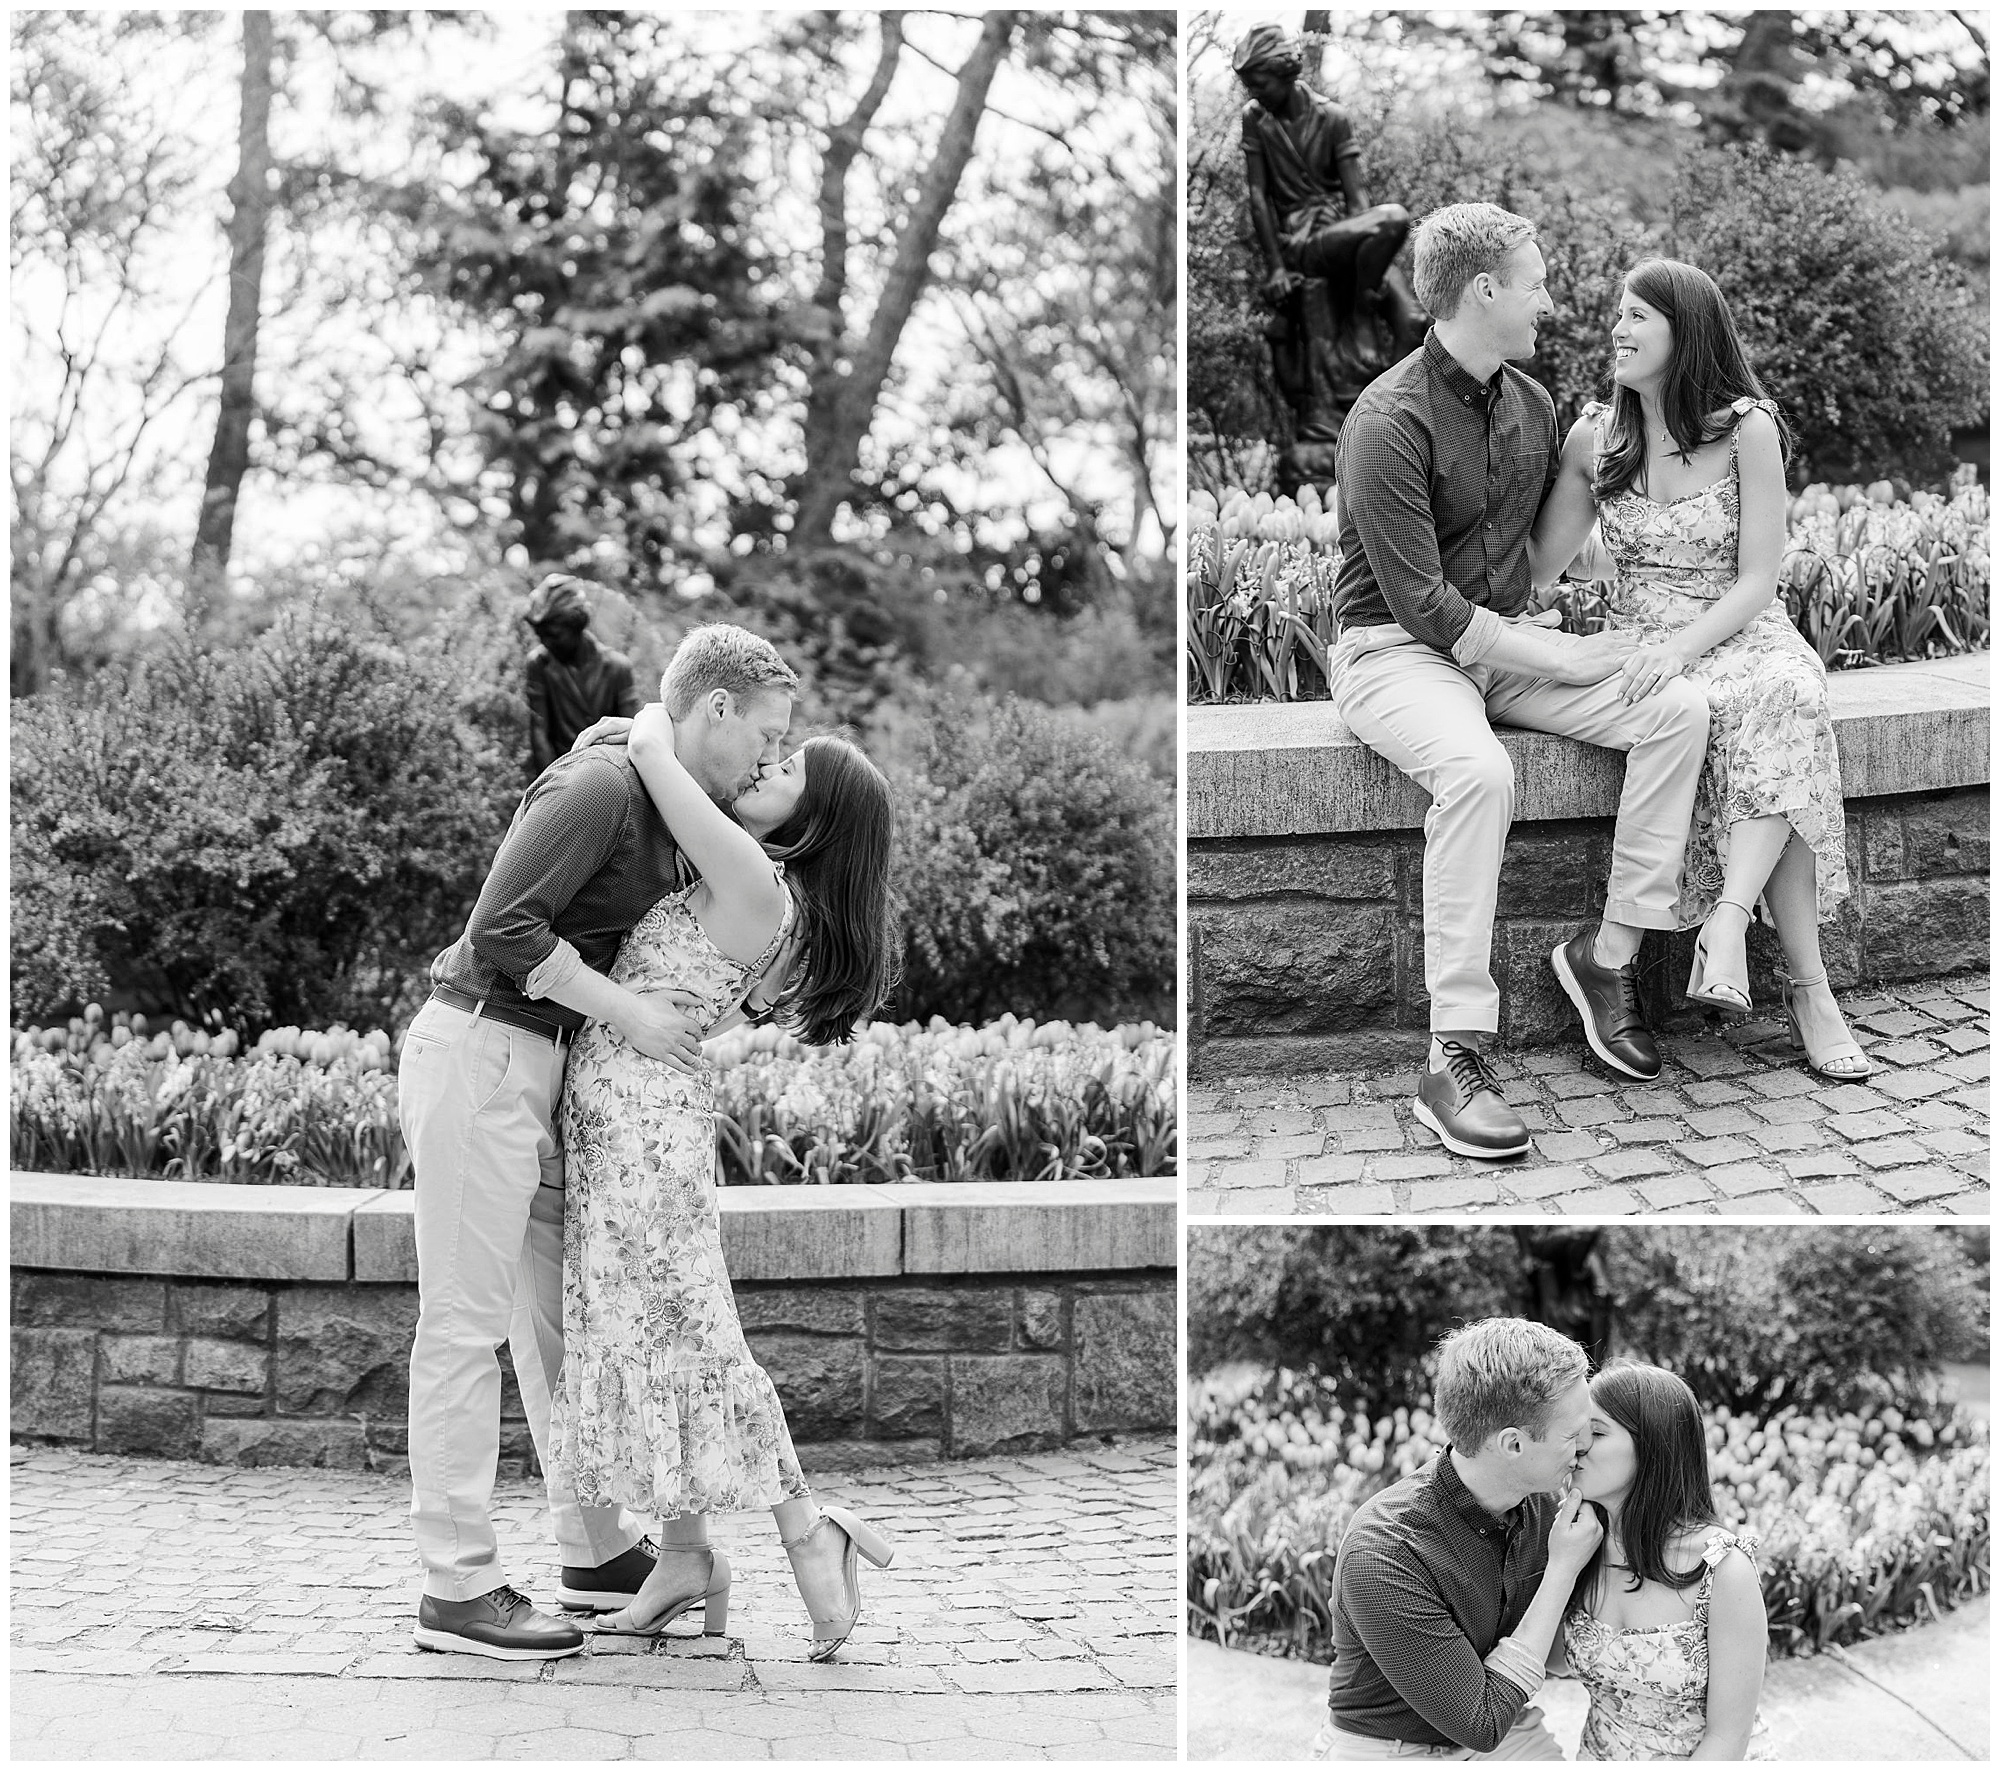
x=558 y=1111
x=1460 y=509
x=1568 y=1526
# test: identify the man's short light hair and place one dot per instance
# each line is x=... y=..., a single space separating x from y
x=1459 y=242
x=1503 y=1372
x=720 y=656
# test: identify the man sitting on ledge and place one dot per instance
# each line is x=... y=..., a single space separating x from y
x=1443 y=464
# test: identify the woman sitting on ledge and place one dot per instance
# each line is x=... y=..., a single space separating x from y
x=1685 y=470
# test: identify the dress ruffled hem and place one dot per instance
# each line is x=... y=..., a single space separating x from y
x=673 y=1438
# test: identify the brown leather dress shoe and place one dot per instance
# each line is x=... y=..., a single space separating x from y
x=1462 y=1104
x=1608 y=999
x=501 y=1625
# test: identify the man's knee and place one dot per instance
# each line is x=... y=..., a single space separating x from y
x=1683 y=706
x=1482 y=777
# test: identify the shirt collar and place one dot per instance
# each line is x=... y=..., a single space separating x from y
x=1454 y=1493
x=1461 y=385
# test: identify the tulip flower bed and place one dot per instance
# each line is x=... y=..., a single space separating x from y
x=1013 y=1101
x=1867 y=1522
x=1869 y=577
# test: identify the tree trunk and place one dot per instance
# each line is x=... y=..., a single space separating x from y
x=1317 y=24
x=250 y=211
x=840 y=403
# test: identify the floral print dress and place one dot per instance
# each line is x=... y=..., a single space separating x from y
x=661 y=1406
x=1770 y=737
x=1649 y=1688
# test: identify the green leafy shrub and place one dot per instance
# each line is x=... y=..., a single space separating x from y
x=1859 y=324
x=1867 y=1521
x=1037 y=870
x=285 y=829
x=1013 y=1101
x=1828 y=1317
x=1361 y=1306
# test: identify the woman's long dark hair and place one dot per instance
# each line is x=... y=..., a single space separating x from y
x=1707 y=373
x=1670 y=1485
x=836 y=848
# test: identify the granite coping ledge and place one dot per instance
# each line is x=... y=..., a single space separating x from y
x=1295 y=769
x=106 y=1224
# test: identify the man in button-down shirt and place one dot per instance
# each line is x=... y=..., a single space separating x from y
x=1449 y=1587
x=1443 y=463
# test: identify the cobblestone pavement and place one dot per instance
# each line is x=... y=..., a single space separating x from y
x=1735 y=1123
x=181 y=1611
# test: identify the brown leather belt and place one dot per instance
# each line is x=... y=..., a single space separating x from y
x=506 y=1013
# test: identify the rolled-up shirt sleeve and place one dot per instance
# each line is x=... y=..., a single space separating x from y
x=1386 y=491
x=1412 y=1636
x=566 y=830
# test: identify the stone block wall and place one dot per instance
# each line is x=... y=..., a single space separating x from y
x=1312 y=946
x=305 y=1373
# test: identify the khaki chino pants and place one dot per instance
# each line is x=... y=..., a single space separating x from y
x=1529 y=1738
x=1433 y=719
x=477 y=1101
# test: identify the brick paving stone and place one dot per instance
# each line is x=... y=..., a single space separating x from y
x=1713 y=1152
x=1424 y=1165
x=1205 y=1149
x=1790 y=1110
x=1719 y=1122
x=1202 y=1202
x=1930 y=1116
x=1850 y=1097
x=1649 y=1131
x=1769 y=1205
x=1320 y=1171
x=1973 y=1067
x=1779 y=1085
x=1326 y=1091
x=1279 y=1121
x=1566 y=1146
x=1912 y=1085
x=1955 y=1143
x=1236 y=1175
x=1776 y=1138
x=1541 y=1183
x=1287 y=1148
x=1905 y=1052
x=1601 y=1202
x=1856 y=1126
x=1912 y=1185
x=1592 y=1110
x=1714 y=1094
x=1820 y=1163
x=1889 y=1152
x=1672 y=1191
x=1347 y=1201
x=1571 y=1084
x=1736 y=1179
x=1453 y=1195
x=1972 y=1205
x=1252 y=1202
x=1627 y=1165
x=1712 y=1061
x=1961 y=1040
x=1361 y=1117
x=1841 y=1198
x=1381 y=1139
x=1892 y=1023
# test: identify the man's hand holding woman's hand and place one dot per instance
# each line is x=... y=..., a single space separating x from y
x=1573 y=1536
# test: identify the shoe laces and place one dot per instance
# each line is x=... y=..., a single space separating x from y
x=1467 y=1069
x=1628 y=999
x=507 y=1600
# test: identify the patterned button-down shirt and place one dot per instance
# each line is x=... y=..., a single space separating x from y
x=1440 y=477
x=1426 y=1584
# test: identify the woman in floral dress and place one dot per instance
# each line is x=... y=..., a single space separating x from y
x=1666 y=1627
x=661 y=1406
x=1685 y=470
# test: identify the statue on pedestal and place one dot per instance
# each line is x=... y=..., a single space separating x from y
x=1341 y=312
